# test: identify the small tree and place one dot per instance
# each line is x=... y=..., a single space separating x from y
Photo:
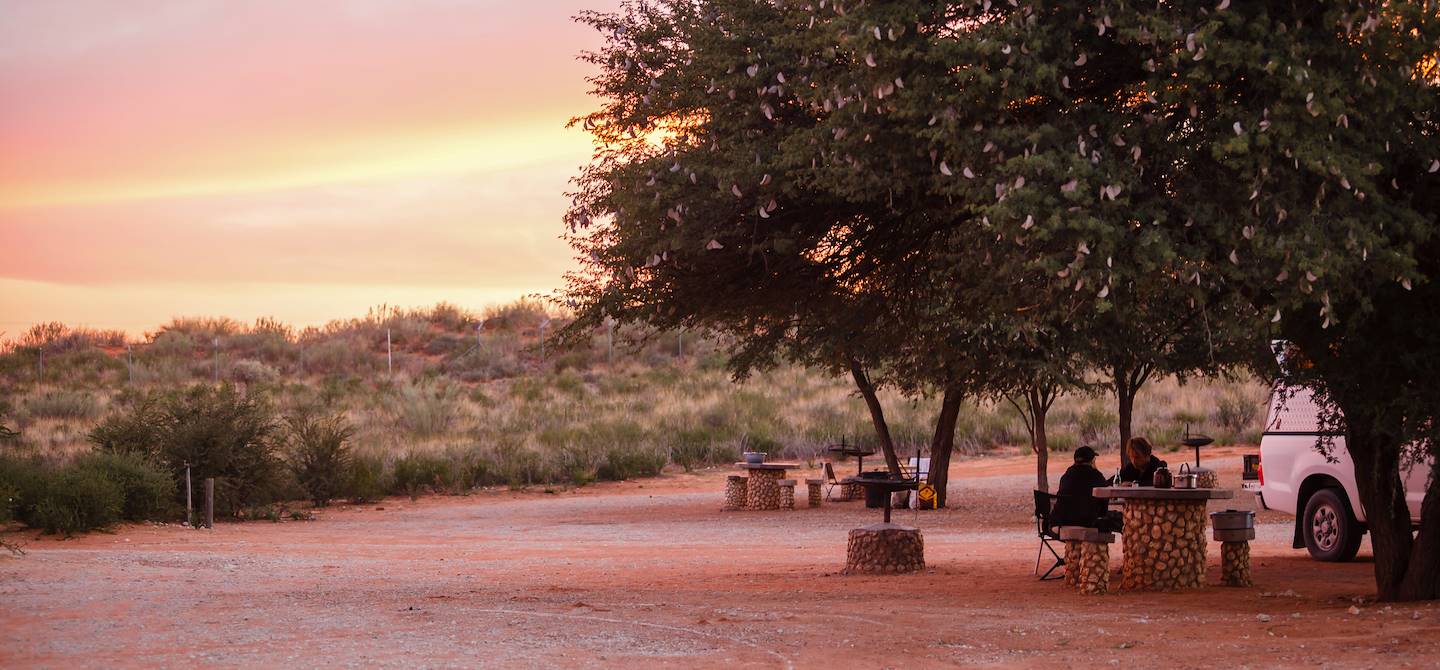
x=319 y=454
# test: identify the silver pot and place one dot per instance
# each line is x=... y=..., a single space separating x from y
x=1186 y=478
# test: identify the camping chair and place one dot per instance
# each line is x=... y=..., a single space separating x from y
x=830 y=481
x=1044 y=505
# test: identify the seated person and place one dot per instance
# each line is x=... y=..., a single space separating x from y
x=1075 y=505
x=1143 y=463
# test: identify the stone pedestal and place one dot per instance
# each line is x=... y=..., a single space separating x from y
x=852 y=492
x=1095 y=566
x=763 y=489
x=813 y=486
x=787 y=494
x=1072 y=563
x=884 y=549
x=735 y=492
x=1207 y=478
x=1235 y=564
x=1164 y=544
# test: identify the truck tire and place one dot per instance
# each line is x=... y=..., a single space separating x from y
x=1331 y=532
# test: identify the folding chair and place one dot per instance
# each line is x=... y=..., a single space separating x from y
x=830 y=481
x=1044 y=505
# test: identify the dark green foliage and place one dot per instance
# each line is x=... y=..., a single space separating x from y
x=319 y=455
x=147 y=492
x=416 y=473
x=76 y=500
x=628 y=461
x=368 y=481
x=219 y=432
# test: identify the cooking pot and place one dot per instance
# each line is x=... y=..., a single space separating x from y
x=1187 y=478
x=1162 y=479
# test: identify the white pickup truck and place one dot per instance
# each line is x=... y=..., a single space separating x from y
x=1297 y=479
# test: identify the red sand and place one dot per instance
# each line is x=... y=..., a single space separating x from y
x=651 y=573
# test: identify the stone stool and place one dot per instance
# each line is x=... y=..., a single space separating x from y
x=1072 y=536
x=735 y=490
x=787 y=494
x=1093 y=576
x=814 y=489
x=1206 y=478
x=1233 y=530
x=884 y=548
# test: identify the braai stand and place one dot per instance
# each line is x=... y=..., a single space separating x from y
x=884 y=548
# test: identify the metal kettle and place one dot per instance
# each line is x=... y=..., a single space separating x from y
x=1162 y=479
x=1187 y=478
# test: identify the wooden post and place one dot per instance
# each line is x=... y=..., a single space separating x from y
x=681 y=339
x=217 y=360
x=130 y=362
x=389 y=354
x=209 y=502
x=189 y=501
x=610 y=343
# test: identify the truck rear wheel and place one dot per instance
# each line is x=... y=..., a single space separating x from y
x=1331 y=532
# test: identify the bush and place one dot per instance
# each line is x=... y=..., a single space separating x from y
x=366 y=480
x=252 y=372
x=147 y=492
x=73 y=405
x=1236 y=413
x=77 y=500
x=218 y=431
x=417 y=473
x=628 y=461
x=426 y=410
x=319 y=455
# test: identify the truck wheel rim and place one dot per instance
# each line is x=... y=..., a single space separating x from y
x=1325 y=527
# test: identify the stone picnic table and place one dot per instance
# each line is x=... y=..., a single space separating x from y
x=1164 y=535
x=852 y=491
x=762 y=488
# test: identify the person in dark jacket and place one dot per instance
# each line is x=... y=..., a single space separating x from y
x=1075 y=505
x=1143 y=463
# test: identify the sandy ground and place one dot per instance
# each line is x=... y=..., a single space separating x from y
x=652 y=574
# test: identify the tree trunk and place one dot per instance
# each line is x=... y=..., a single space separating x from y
x=1406 y=568
x=1038 y=409
x=1125 y=410
x=943 y=444
x=877 y=416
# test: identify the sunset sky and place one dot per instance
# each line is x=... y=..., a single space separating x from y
x=302 y=160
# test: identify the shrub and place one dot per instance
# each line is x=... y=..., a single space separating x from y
x=218 y=431
x=252 y=372
x=628 y=461
x=366 y=480
x=147 y=492
x=426 y=410
x=73 y=405
x=417 y=473
x=9 y=500
x=319 y=455
x=1236 y=413
x=77 y=500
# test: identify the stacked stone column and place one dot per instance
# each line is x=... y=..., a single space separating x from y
x=1164 y=545
x=884 y=548
x=763 y=490
x=1207 y=479
x=1235 y=564
x=1095 y=564
x=787 y=494
x=735 y=493
x=1072 y=563
x=813 y=486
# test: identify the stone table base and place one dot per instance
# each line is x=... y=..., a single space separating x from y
x=763 y=489
x=813 y=488
x=884 y=549
x=787 y=494
x=852 y=492
x=1164 y=544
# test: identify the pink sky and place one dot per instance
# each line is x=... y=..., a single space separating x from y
x=302 y=160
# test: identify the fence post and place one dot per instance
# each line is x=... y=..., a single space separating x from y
x=610 y=342
x=389 y=355
x=681 y=339
x=543 y=324
x=209 y=502
x=130 y=362
x=189 y=500
x=41 y=375
x=217 y=360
